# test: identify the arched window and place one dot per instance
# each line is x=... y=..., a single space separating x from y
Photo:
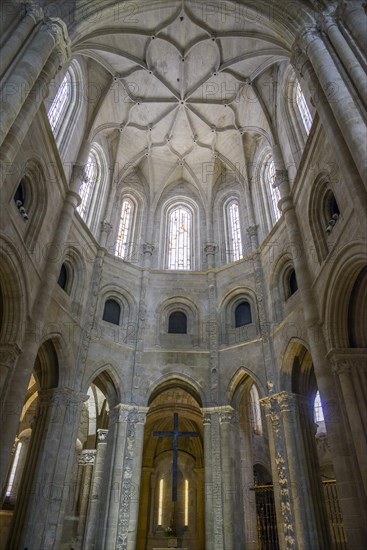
x=179 y=238
x=63 y=277
x=112 y=312
x=20 y=199
x=235 y=251
x=177 y=323
x=268 y=177
x=255 y=410
x=160 y=501
x=292 y=283
x=60 y=103
x=242 y=314
x=303 y=108
x=92 y=189
x=123 y=244
x=318 y=412
x=332 y=211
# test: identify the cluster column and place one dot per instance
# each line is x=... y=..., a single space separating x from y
x=223 y=513
x=122 y=478
x=96 y=491
x=297 y=499
x=45 y=488
x=25 y=85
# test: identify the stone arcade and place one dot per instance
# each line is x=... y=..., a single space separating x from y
x=183 y=232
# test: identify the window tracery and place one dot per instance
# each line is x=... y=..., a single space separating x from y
x=91 y=181
x=60 y=103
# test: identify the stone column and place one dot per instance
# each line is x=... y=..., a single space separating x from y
x=346 y=112
x=232 y=516
x=18 y=382
x=298 y=519
x=349 y=367
x=122 y=478
x=90 y=534
x=33 y=14
x=353 y=14
x=86 y=465
x=43 y=496
x=346 y=55
x=23 y=77
x=223 y=516
x=9 y=354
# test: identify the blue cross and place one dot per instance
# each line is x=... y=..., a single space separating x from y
x=175 y=434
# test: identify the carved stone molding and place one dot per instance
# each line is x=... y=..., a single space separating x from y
x=9 y=353
x=58 y=30
x=128 y=413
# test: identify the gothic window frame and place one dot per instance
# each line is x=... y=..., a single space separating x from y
x=93 y=202
x=230 y=333
x=233 y=255
x=192 y=207
x=287 y=284
x=321 y=216
x=130 y=244
x=66 y=119
x=35 y=202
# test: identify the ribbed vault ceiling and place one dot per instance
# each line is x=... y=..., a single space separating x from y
x=182 y=93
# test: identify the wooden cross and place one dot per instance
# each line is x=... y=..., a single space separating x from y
x=175 y=434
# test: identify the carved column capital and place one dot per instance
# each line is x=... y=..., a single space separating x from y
x=58 y=30
x=102 y=436
x=306 y=37
x=34 y=10
x=252 y=230
x=128 y=413
x=87 y=457
x=148 y=248
x=106 y=227
x=210 y=249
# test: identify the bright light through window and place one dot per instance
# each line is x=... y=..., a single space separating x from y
x=186 y=502
x=160 y=502
x=235 y=239
x=255 y=410
x=318 y=412
x=274 y=191
x=303 y=108
x=122 y=243
x=179 y=238
x=60 y=103
x=9 y=488
x=92 y=171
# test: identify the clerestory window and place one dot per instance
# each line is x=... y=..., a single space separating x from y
x=123 y=243
x=179 y=238
x=304 y=111
x=235 y=250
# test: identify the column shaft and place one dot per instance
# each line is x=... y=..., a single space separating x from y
x=340 y=100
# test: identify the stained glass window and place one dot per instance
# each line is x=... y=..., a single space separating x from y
x=303 y=108
x=179 y=238
x=60 y=103
x=124 y=233
x=91 y=177
x=234 y=230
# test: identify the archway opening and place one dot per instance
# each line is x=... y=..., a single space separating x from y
x=172 y=488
